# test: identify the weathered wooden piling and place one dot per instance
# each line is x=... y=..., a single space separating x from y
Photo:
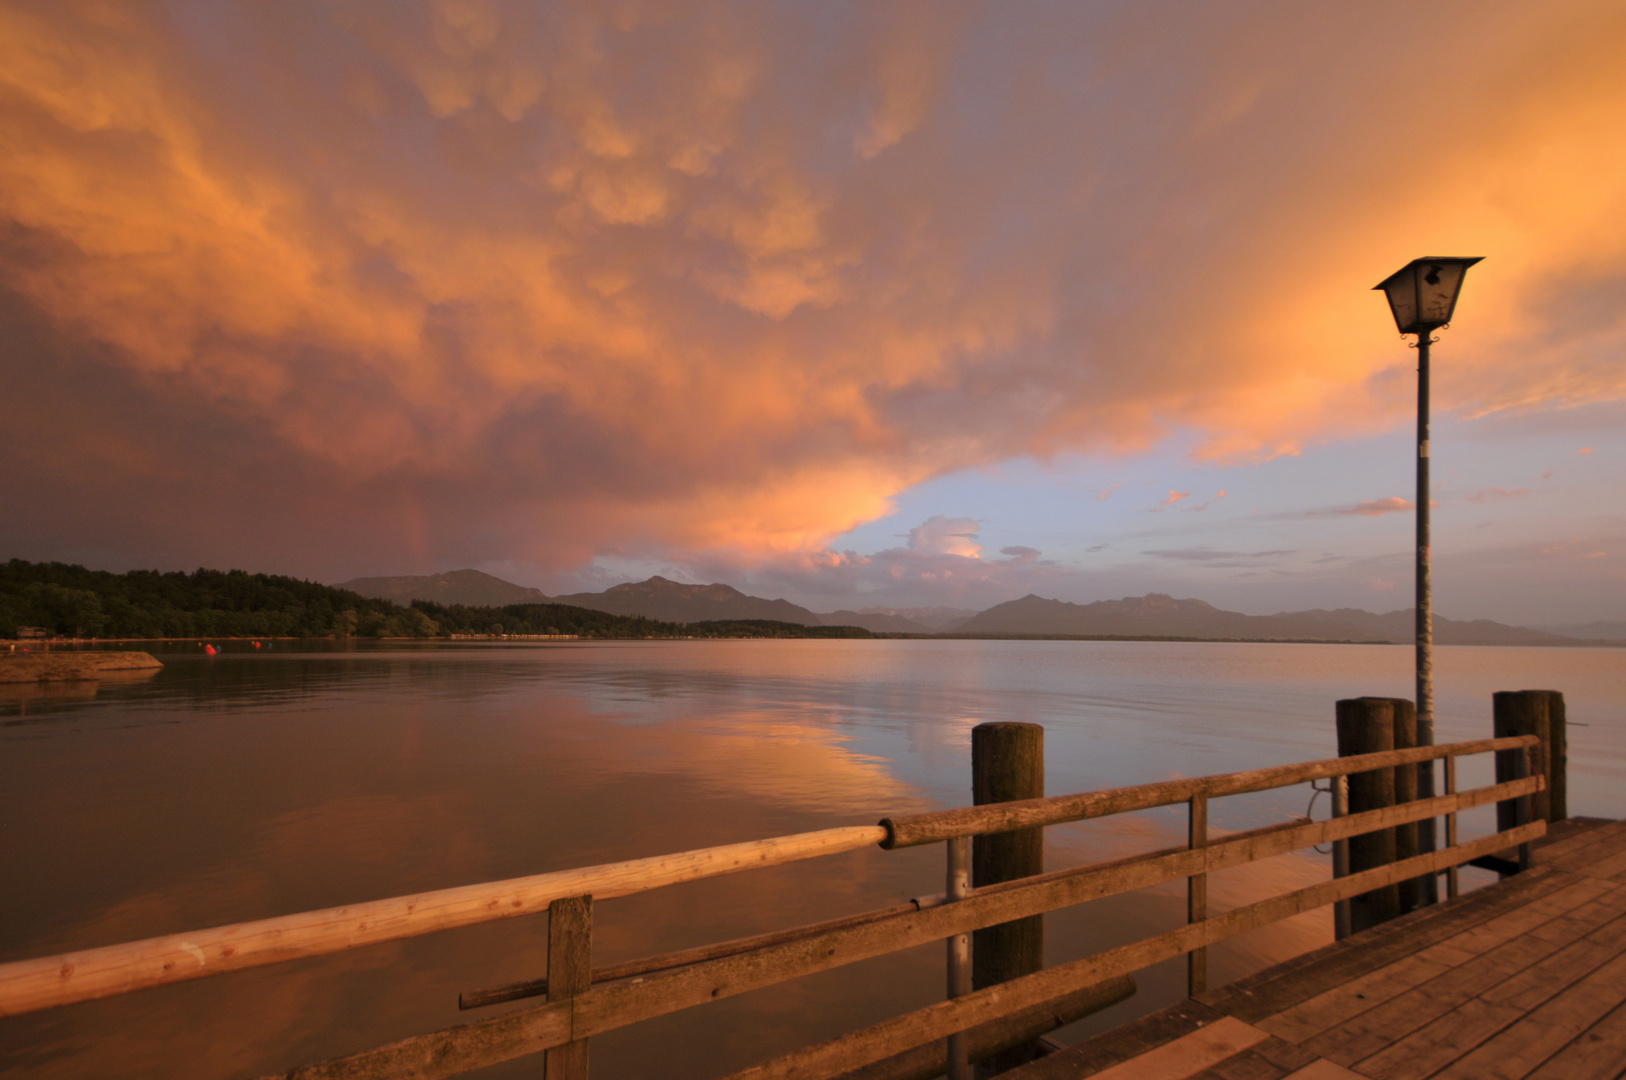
x=1007 y=765
x=1539 y=713
x=1367 y=726
x=1413 y=893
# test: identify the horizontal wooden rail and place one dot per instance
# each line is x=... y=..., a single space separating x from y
x=1233 y=850
x=28 y=985
x=918 y=1028
x=601 y=1009
x=515 y=991
x=938 y=825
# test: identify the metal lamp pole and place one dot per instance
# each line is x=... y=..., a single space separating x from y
x=1425 y=584
x=1430 y=884
x=1422 y=296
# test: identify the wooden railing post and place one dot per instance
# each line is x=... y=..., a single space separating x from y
x=1197 y=897
x=1007 y=764
x=1451 y=877
x=1340 y=857
x=959 y=954
x=570 y=965
x=1366 y=726
x=1529 y=763
x=1539 y=713
x=1557 y=757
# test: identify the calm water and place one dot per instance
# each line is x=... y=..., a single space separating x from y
x=250 y=784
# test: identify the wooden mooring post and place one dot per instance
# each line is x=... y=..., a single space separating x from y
x=1367 y=726
x=1007 y=765
x=1415 y=893
x=1539 y=713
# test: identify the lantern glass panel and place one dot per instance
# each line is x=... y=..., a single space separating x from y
x=1437 y=286
x=1402 y=293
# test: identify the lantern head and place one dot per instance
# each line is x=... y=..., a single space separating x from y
x=1423 y=293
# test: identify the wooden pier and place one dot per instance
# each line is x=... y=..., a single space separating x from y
x=1524 y=979
x=1523 y=976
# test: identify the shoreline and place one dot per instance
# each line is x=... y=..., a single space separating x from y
x=29 y=643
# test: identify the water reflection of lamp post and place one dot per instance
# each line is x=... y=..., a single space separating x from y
x=1422 y=295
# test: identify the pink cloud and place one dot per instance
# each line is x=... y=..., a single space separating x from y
x=1174 y=497
x=946 y=536
x=1494 y=494
x=1394 y=504
x=1574 y=548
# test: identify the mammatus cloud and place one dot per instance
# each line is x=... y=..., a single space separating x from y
x=467 y=280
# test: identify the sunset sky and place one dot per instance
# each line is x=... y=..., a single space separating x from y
x=853 y=303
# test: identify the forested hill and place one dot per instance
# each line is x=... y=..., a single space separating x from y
x=71 y=601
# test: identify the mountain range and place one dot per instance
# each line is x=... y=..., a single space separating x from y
x=1153 y=615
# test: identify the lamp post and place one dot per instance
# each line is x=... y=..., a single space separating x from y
x=1422 y=296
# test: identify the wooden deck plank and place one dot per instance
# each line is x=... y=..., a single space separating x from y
x=1524 y=980
x=1605 y=837
x=1286 y=986
x=1594 y=914
x=1188 y=1056
x=1244 y=1066
x=1459 y=1033
x=1283 y=1054
x=1366 y=1033
x=1435 y=1046
x=1331 y=1007
x=1121 y=1044
x=1598 y=1054
x=1543 y=1032
x=1567 y=836
x=1465 y=910
x=1606 y=868
x=1531 y=988
x=1496 y=932
x=1324 y=1070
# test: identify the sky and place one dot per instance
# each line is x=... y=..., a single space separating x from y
x=859 y=304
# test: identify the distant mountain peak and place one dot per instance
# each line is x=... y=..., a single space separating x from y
x=1162 y=615
x=471 y=588
x=661 y=598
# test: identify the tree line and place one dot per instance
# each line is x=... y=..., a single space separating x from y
x=65 y=600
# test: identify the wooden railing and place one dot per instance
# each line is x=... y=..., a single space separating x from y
x=582 y=1003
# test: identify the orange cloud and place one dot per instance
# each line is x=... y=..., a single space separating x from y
x=587 y=280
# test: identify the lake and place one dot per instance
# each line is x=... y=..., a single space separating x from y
x=260 y=783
